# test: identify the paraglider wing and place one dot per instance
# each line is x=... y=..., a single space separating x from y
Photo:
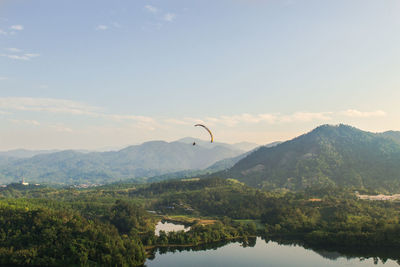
x=208 y=130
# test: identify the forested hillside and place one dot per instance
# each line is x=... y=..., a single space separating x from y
x=327 y=156
x=49 y=233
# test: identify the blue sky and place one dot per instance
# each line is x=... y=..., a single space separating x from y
x=91 y=74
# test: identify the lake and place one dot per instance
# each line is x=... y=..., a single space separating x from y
x=169 y=227
x=258 y=253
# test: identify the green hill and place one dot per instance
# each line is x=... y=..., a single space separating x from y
x=327 y=156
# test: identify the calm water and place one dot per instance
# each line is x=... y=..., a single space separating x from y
x=260 y=254
x=169 y=227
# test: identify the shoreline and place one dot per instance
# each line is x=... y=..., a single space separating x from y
x=196 y=245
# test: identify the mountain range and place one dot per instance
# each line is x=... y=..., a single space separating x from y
x=138 y=161
x=329 y=155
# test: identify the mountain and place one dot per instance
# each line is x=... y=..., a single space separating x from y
x=245 y=146
x=230 y=162
x=216 y=167
x=24 y=153
x=145 y=160
x=393 y=135
x=327 y=156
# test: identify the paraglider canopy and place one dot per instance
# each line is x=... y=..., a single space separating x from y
x=208 y=130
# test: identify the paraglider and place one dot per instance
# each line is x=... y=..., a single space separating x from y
x=208 y=130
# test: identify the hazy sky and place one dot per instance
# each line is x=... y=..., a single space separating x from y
x=97 y=73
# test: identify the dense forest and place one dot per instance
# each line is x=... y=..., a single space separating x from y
x=31 y=233
x=111 y=225
x=107 y=226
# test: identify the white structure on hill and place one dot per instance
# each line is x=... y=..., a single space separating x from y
x=23 y=182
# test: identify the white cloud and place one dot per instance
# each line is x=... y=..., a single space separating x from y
x=62 y=106
x=14 y=50
x=125 y=123
x=46 y=105
x=102 y=27
x=116 y=25
x=307 y=116
x=276 y=118
x=151 y=9
x=17 y=27
x=169 y=17
x=177 y=121
x=26 y=57
x=61 y=128
x=120 y=118
x=270 y=118
x=16 y=57
x=28 y=122
x=247 y=118
x=31 y=55
x=363 y=114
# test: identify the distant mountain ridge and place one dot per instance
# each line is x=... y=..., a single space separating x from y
x=245 y=146
x=217 y=166
x=24 y=153
x=145 y=160
x=393 y=135
x=327 y=156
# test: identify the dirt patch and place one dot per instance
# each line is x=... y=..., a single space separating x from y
x=205 y=222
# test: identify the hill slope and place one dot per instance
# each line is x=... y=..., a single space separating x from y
x=327 y=156
x=216 y=167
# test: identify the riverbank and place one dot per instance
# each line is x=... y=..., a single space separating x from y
x=241 y=238
x=201 y=232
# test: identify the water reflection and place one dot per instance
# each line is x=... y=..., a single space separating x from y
x=169 y=227
x=202 y=247
x=380 y=254
x=259 y=252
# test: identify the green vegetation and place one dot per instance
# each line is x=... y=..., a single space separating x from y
x=200 y=234
x=328 y=156
x=328 y=217
x=336 y=222
x=105 y=226
x=109 y=225
x=32 y=234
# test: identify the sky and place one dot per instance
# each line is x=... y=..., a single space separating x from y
x=110 y=73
